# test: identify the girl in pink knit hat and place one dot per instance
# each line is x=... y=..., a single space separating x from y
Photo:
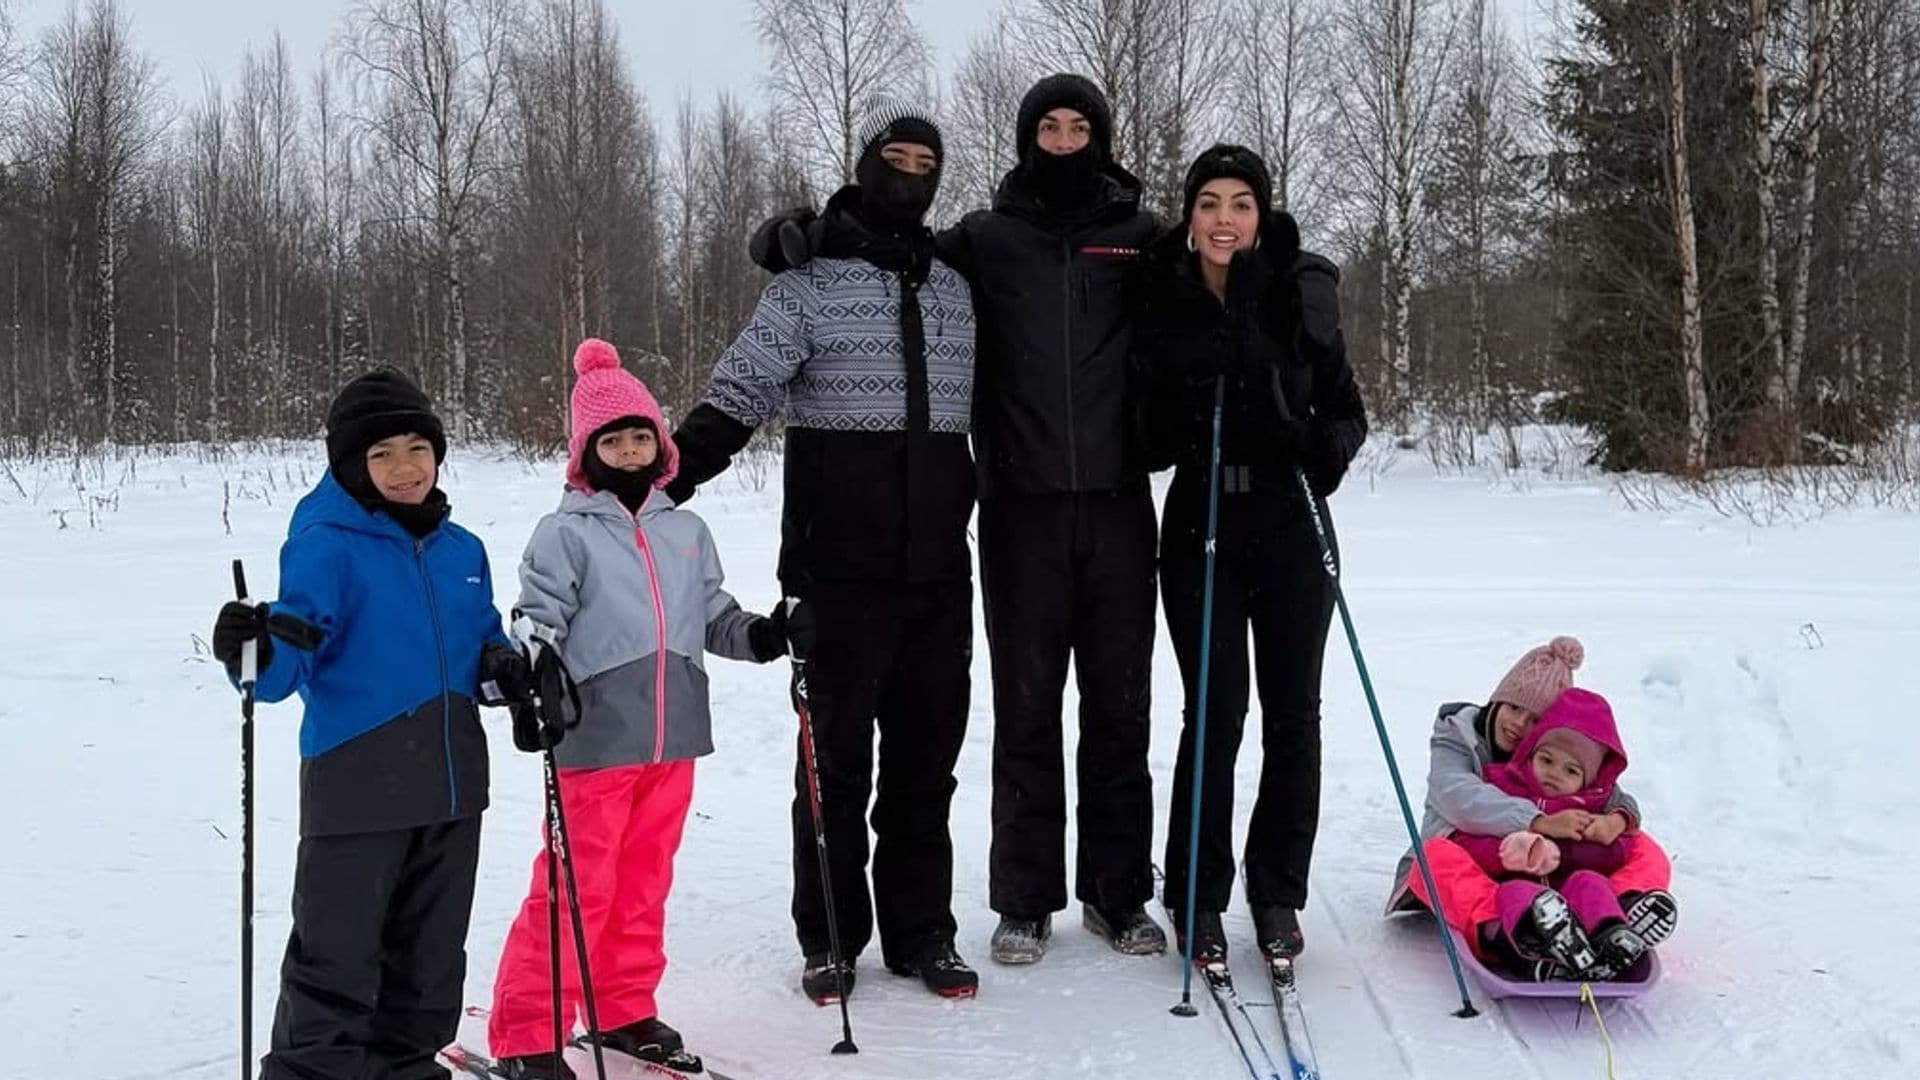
x=1482 y=781
x=623 y=589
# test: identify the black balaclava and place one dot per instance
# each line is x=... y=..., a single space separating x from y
x=891 y=200
x=373 y=407
x=1064 y=180
x=631 y=488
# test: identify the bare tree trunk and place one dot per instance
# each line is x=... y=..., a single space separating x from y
x=1679 y=175
x=1819 y=52
x=579 y=283
x=108 y=307
x=1400 y=225
x=16 y=328
x=1760 y=27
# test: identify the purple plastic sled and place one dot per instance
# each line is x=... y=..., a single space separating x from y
x=1496 y=985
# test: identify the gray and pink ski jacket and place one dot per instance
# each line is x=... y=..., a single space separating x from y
x=634 y=602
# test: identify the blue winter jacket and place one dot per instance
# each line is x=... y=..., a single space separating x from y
x=391 y=738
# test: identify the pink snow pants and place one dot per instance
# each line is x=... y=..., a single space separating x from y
x=625 y=824
x=1467 y=891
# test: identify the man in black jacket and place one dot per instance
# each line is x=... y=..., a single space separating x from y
x=1067 y=531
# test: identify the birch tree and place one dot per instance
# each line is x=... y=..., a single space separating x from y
x=1680 y=198
x=1394 y=59
x=432 y=75
x=827 y=59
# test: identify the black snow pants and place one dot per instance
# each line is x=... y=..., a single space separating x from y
x=371 y=985
x=1070 y=574
x=896 y=657
x=1268 y=575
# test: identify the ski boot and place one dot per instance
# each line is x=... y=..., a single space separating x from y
x=653 y=1042
x=1547 y=931
x=1209 y=937
x=532 y=1067
x=1277 y=928
x=1131 y=931
x=1652 y=914
x=826 y=982
x=1021 y=941
x=941 y=968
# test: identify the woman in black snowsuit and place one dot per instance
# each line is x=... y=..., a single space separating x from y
x=1235 y=317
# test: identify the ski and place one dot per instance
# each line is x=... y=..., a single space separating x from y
x=1218 y=980
x=1294 y=1039
x=480 y=1066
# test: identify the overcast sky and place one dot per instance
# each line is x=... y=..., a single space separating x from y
x=675 y=46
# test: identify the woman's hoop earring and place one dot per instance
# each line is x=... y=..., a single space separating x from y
x=1190 y=246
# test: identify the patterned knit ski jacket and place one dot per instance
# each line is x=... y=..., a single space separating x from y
x=869 y=351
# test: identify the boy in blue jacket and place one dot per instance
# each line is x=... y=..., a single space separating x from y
x=393 y=761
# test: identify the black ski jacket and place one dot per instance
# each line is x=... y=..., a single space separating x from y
x=1277 y=342
x=1051 y=292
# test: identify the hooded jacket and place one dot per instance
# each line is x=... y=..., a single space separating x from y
x=1459 y=798
x=1515 y=776
x=391 y=735
x=634 y=602
x=1054 y=302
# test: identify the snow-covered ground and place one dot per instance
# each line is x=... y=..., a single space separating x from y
x=1763 y=678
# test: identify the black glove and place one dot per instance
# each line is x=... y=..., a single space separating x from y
x=1290 y=441
x=795 y=619
x=543 y=723
x=784 y=241
x=1326 y=462
x=236 y=625
x=505 y=676
x=526 y=728
x=765 y=639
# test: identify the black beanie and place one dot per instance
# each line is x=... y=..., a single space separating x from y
x=1074 y=92
x=1226 y=161
x=376 y=406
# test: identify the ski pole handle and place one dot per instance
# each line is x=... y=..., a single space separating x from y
x=250 y=652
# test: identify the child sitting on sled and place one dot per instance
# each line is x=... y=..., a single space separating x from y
x=1485 y=790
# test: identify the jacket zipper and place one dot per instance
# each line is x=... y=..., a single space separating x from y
x=660 y=651
x=440 y=653
x=1066 y=359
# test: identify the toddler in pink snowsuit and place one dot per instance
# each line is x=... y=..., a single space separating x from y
x=625 y=588
x=1554 y=900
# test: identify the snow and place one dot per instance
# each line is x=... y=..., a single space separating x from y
x=1760 y=676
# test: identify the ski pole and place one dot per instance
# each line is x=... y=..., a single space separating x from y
x=551 y=707
x=811 y=766
x=249 y=674
x=1185 y=1007
x=1331 y=562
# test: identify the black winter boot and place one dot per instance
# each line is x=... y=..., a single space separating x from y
x=1209 y=936
x=940 y=967
x=825 y=982
x=1131 y=931
x=1020 y=941
x=1277 y=929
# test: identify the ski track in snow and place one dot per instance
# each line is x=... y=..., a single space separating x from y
x=1759 y=674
